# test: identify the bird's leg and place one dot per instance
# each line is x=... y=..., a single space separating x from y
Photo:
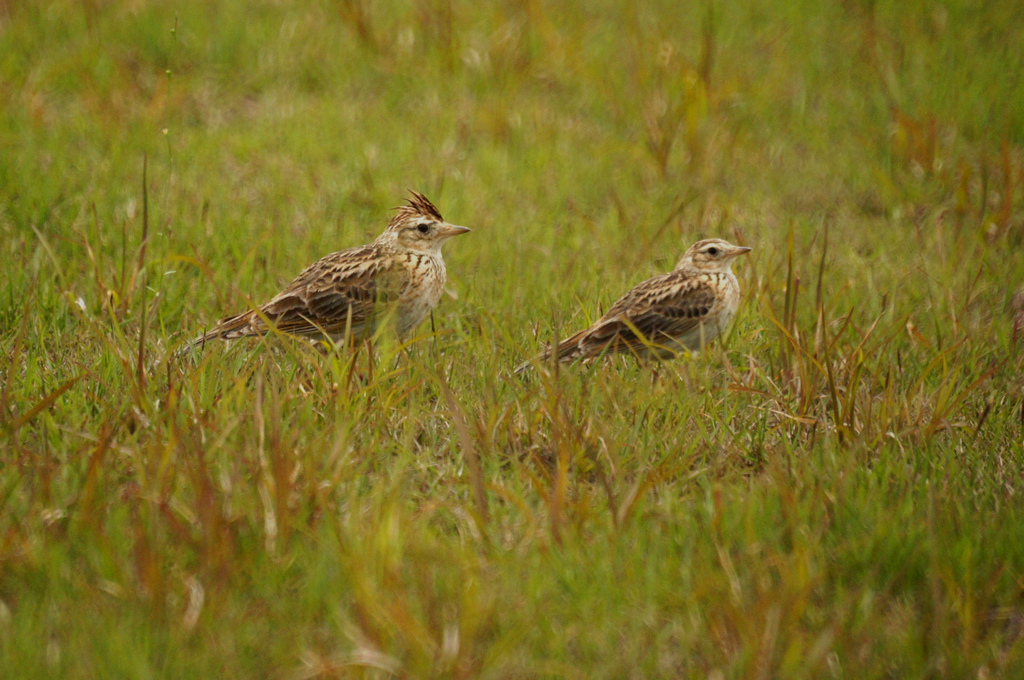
x=682 y=370
x=353 y=356
x=324 y=346
x=406 y=352
x=369 y=360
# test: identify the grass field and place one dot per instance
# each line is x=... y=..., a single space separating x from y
x=834 y=491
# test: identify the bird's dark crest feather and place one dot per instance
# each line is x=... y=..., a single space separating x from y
x=419 y=206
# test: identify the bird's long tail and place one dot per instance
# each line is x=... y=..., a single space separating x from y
x=566 y=351
x=231 y=328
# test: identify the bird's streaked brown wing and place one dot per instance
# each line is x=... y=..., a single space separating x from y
x=335 y=293
x=667 y=306
x=661 y=308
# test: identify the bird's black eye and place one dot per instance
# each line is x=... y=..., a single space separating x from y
x=423 y=228
x=712 y=251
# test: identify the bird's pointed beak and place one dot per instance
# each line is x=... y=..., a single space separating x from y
x=740 y=250
x=450 y=230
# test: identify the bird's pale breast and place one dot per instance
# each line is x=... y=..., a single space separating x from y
x=427 y=275
x=727 y=297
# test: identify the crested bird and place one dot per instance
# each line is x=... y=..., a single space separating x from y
x=345 y=295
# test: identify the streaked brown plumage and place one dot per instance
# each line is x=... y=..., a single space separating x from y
x=401 y=275
x=684 y=309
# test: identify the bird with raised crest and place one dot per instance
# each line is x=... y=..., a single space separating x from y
x=345 y=295
x=682 y=310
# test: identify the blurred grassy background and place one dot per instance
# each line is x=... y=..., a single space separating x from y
x=833 y=492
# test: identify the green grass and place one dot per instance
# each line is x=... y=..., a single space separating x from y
x=834 y=491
